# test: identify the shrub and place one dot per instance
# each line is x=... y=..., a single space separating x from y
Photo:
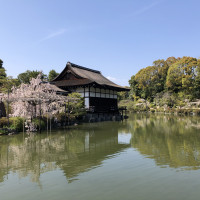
x=16 y=123
x=36 y=121
x=3 y=122
x=77 y=107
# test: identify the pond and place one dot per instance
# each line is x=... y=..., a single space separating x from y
x=145 y=157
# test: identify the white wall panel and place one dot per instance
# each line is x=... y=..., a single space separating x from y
x=103 y=95
x=92 y=94
x=97 y=94
x=86 y=94
x=86 y=102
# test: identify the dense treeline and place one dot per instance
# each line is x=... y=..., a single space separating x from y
x=174 y=77
x=7 y=82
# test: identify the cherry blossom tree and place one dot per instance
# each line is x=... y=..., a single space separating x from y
x=36 y=99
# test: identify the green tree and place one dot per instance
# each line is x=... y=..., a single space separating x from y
x=171 y=60
x=28 y=75
x=8 y=83
x=52 y=74
x=197 y=81
x=1 y=63
x=2 y=70
x=76 y=107
x=2 y=74
x=183 y=75
x=172 y=74
x=122 y=95
x=135 y=91
x=149 y=81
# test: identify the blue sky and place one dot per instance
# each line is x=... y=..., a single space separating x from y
x=117 y=37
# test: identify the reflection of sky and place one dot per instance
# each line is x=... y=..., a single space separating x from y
x=124 y=138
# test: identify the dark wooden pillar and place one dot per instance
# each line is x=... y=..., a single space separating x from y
x=89 y=97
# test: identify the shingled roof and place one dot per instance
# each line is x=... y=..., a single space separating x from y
x=85 y=76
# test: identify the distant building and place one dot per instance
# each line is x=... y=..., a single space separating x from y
x=100 y=94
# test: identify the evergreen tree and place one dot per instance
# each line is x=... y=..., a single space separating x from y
x=52 y=75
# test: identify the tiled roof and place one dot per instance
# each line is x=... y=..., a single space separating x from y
x=86 y=74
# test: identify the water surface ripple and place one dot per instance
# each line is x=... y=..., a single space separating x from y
x=144 y=157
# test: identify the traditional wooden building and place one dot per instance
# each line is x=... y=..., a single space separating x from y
x=100 y=94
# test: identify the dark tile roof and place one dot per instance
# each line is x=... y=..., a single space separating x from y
x=72 y=82
x=88 y=74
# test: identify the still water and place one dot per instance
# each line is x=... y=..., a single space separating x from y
x=145 y=157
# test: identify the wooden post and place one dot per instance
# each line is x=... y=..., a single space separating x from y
x=47 y=123
x=68 y=114
x=50 y=124
x=8 y=109
x=23 y=125
x=40 y=112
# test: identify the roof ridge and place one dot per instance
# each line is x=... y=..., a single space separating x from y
x=84 y=68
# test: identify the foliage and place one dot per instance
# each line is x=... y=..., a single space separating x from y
x=28 y=100
x=151 y=80
x=135 y=91
x=28 y=75
x=37 y=122
x=3 y=122
x=122 y=95
x=15 y=123
x=74 y=109
x=182 y=74
x=165 y=98
x=135 y=106
x=1 y=63
x=167 y=81
x=2 y=73
x=52 y=75
x=7 y=83
x=77 y=107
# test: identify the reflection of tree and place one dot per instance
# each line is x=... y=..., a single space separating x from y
x=75 y=151
x=172 y=141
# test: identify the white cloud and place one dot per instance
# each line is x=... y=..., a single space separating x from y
x=146 y=8
x=111 y=78
x=54 y=34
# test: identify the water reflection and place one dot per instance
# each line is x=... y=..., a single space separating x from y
x=172 y=141
x=73 y=151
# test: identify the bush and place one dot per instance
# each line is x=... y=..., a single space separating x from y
x=16 y=123
x=196 y=111
x=152 y=110
x=76 y=108
x=3 y=122
x=36 y=122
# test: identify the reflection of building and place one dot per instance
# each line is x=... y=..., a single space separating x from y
x=99 y=92
x=96 y=147
x=73 y=152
